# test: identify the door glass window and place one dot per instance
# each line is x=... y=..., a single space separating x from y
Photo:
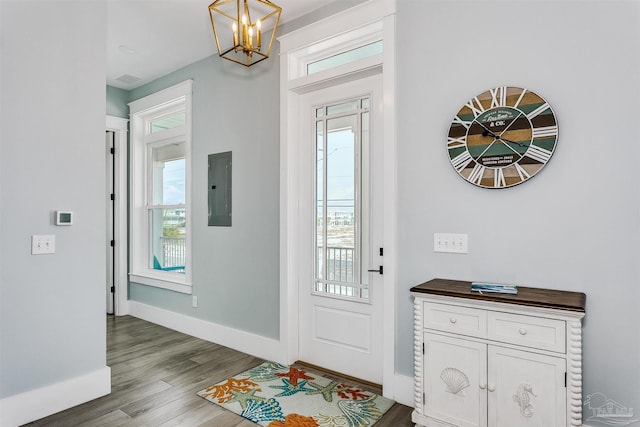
x=342 y=199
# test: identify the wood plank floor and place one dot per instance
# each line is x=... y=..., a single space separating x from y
x=155 y=375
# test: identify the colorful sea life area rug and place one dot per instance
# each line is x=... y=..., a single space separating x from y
x=273 y=395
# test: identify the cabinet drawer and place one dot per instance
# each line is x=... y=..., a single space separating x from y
x=451 y=318
x=529 y=331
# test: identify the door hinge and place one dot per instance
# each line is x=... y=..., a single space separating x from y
x=113 y=243
x=113 y=289
x=113 y=196
x=422 y=348
x=112 y=150
x=565 y=379
x=424 y=399
x=381 y=251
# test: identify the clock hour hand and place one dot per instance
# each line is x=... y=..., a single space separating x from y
x=487 y=132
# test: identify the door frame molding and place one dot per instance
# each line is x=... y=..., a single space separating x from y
x=381 y=16
x=120 y=128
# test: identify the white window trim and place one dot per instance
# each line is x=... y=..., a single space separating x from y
x=143 y=110
x=296 y=50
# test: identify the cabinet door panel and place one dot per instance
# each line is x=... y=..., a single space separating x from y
x=455 y=380
x=525 y=389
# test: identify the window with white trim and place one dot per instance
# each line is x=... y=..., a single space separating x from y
x=160 y=187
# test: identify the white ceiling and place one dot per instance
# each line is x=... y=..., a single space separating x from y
x=149 y=39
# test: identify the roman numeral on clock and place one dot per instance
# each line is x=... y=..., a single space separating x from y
x=461 y=160
x=498 y=178
x=539 y=154
x=498 y=96
x=545 y=132
x=457 y=120
x=520 y=97
x=475 y=106
x=537 y=111
x=476 y=174
x=521 y=172
x=456 y=142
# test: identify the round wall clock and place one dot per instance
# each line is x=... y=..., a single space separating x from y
x=502 y=137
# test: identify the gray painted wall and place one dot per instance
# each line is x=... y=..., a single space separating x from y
x=52 y=307
x=575 y=225
x=235 y=269
x=117 y=100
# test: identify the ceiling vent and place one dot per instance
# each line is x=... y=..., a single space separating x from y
x=128 y=79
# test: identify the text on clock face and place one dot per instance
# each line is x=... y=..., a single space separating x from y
x=497 y=160
x=497 y=123
x=495 y=115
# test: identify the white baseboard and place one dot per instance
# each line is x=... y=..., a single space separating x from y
x=39 y=403
x=246 y=342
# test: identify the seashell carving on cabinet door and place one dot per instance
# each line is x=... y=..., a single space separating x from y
x=455 y=380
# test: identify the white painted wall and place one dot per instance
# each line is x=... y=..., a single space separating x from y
x=575 y=225
x=52 y=156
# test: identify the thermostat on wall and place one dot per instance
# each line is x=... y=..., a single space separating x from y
x=64 y=217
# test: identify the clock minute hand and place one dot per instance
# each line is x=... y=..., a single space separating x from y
x=487 y=132
x=520 y=144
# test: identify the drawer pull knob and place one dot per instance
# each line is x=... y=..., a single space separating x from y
x=453 y=320
x=483 y=386
x=491 y=388
x=523 y=331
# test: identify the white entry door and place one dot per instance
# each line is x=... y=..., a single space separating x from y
x=340 y=300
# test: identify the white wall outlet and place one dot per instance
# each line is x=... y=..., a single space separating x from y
x=194 y=301
x=452 y=243
x=41 y=245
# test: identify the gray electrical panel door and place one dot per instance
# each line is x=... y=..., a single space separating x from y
x=219 y=191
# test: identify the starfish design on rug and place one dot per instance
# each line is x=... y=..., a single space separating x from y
x=291 y=389
x=326 y=391
x=243 y=397
x=294 y=375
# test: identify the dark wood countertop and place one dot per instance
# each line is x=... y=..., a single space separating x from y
x=535 y=297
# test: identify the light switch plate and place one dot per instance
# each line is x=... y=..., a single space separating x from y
x=452 y=243
x=41 y=245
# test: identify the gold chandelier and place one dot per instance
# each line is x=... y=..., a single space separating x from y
x=238 y=27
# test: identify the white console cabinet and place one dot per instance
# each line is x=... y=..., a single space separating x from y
x=497 y=360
